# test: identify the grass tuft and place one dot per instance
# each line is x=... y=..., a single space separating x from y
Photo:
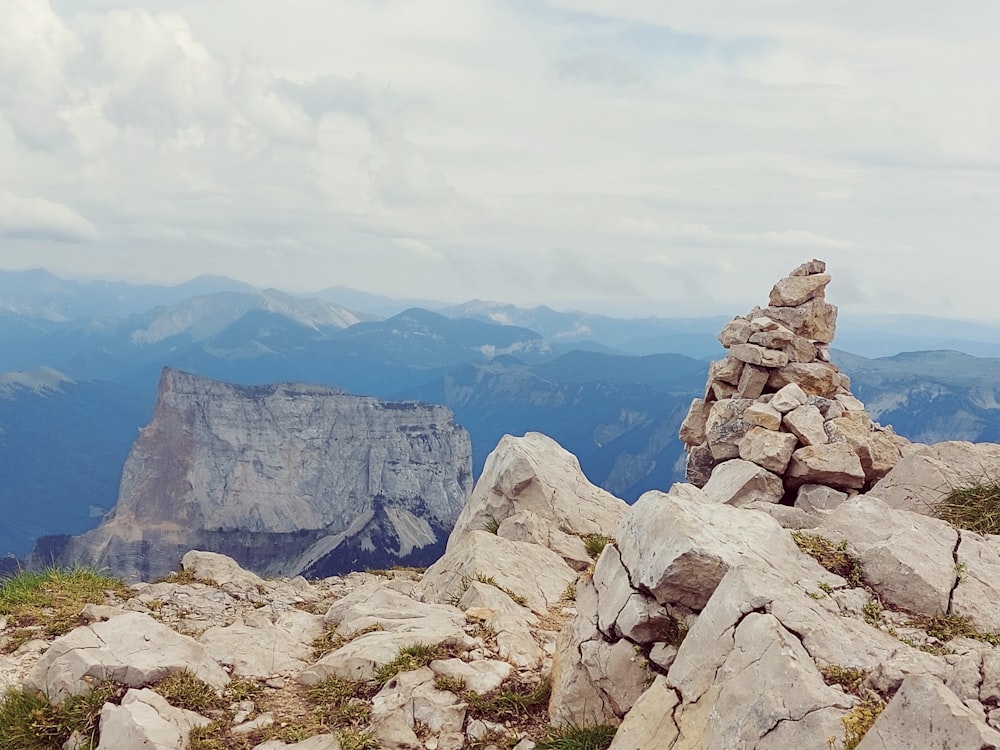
x=975 y=507
x=577 y=738
x=595 y=544
x=411 y=657
x=833 y=557
x=512 y=699
x=946 y=627
x=849 y=678
x=860 y=720
x=47 y=603
x=491 y=581
x=29 y=722
x=185 y=690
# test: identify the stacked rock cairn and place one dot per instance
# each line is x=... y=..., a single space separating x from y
x=778 y=421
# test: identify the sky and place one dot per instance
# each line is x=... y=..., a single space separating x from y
x=642 y=157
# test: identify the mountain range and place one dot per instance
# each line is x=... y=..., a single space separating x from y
x=88 y=355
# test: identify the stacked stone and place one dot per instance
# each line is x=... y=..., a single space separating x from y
x=778 y=420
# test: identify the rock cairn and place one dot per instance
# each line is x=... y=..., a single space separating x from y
x=778 y=420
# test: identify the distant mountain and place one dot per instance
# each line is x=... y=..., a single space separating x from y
x=71 y=299
x=694 y=337
x=886 y=335
x=930 y=396
x=375 y=304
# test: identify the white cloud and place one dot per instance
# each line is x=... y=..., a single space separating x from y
x=37 y=218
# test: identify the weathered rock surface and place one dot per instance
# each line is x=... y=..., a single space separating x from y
x=285 y=479
x=145 y=719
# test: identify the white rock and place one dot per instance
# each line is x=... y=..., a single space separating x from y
x=926 y=714
x=788 y=397
x=793 y=291
x=145 y=719
x=833 y=464
x=265 y=650
x=133 y=649
x=753 y=354
x=739 y=482
x=818 y=497
x=480 y=676
x=978 y=573
x=806 y=423
x=692 y=430
x=769 y=449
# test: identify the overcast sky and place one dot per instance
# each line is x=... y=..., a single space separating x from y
x=649 y=156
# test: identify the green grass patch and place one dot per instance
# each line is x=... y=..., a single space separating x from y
x=29 y=722
x=849 y=678
x=833 y=557
x=577 y=738
x=975 y=507
x=512 y=699
x=595 y=544
x=946 y=627
x=411 y=657
x=355 y=739
x=491 y=581
x=342 y=703
x=48 y=602
x=185 y=690
x=330 y=641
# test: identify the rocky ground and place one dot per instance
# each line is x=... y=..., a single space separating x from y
x=824 y=603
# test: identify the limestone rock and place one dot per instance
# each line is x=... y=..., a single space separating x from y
x=739 y=482
x=265 y=649
x=752 y=382
x=977 y=592
x=769 y=449
x=788 y=397
x=763 y=415
x=737 y=331
x=133 y=649
x=906 y=558
x=815 y=378
x=754 y=354
x=834 y=464
x=145 y=719
x=818 y=497
x=693 y=427
x=726 y=427
x=534 y=473
x=649 y=725
x=926 y=714
x=806 y=423
x=285 y=479
x=480 y=676
x=792 y=291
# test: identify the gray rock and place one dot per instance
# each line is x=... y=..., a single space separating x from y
x=977 y=562
x=480 y=676
x=806 y=423
x=769 y=449
x=739 y=482
x=926 y=714
x=145 y=720
x=833 y=464
x=788 y=397
x=265 y=649
x=133 y=649
x=793 y=291
x=818 y=497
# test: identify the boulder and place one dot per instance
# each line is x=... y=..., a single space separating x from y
x=769 y=449
x=726 y=427
x=693 y=427
x=806 y=423
x=763 y=415
x=793 y=291
x=739 y=482
x=480 y=676
x=265 y=649
x=818 y=497
x=754 y=354
x=834 y=465
x=737 y=331
x=977 y=568
x=145 y=719
x=815 y=378
x=649 y=725
x=788 y=397
x=926 y=714
x=133 y=649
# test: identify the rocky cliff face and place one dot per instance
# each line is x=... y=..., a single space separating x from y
x=286 y=479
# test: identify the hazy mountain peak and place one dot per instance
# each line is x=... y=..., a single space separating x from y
x=39 y=380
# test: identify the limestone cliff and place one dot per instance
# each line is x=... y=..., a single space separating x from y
x=286 y=479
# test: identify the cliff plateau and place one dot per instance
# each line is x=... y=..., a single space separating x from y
x=286 y=479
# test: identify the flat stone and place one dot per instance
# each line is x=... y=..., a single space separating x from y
x=769 y=449
x=815 y=378
x=809 y=268
x=758 y=355
x=834 y=464
x=738 y=482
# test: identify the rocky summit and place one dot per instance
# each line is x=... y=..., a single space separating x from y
x=818 y=608
x=287 y=479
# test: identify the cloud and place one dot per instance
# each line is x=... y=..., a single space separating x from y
x=37 y=218
x=420 y=249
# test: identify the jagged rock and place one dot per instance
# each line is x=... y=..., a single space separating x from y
x=133 y=649
x=623 y=612
x=726 y=427
x=510 y=622
x=763 y=415
x=788 y=397
x=793 y=291
x=815 y=320
x=409 y=698
x=739 y=482
x=834 y=465
x=815 y=378
x=263 y=648
x=699 y=464
x=649 y=725
x=924 y=476
x=907 y=558
x=806 y=423
x=977 y=570
x=767 y=448
x=737 y=331
x=530 y=571
x=145 y=719
x=696 y=544
x=525 y=526
x=285 y=479
x=725 y=370
x=818 y=497
x=926 y=714
x=692 y=430
x=752 y=382
x=876 y=449
x=534 y=474
x=809 y=267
